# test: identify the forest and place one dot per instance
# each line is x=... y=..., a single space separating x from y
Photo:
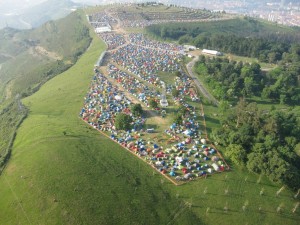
x=262 y=142
x=231 y=79
x=244 y=37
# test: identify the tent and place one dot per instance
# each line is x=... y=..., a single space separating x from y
x=172 y=173
x=118 y=97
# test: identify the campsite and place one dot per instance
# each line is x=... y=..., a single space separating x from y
x=132 y=67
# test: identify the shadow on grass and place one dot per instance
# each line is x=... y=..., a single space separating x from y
x=212 y=120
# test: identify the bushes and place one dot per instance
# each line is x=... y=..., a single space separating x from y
x=15 y=118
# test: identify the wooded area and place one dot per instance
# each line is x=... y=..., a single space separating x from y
x=263 y=142
x=230 y=79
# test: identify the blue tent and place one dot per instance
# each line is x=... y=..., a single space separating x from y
x=172 y=173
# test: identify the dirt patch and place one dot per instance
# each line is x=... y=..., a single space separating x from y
x=42 y=51
x=8 y=89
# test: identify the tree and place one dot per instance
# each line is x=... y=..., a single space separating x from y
x=236 y=153
x=137 y=109
x=175 y=92
x=178 y=119
x=123 y=122
x=223 y=106
x=153 y=103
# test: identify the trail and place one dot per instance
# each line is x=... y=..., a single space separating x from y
x=198 y=83
x=17 y=198
x=178 y=212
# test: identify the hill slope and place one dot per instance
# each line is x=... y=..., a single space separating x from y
x=28 y=59
x=80 y=177
x=66 y=40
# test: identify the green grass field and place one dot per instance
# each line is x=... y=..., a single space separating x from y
x=64 y=172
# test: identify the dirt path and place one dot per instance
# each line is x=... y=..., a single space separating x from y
x=42 y=51
x=198 y=83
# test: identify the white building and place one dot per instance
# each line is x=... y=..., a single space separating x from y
x=188 y=48
x=99 y=30
x=212 y=52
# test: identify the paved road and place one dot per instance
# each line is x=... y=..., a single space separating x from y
x=198 y=83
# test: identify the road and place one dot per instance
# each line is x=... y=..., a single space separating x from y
x=198 y=83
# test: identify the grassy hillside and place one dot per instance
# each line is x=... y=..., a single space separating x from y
x=28 y=59
x=80 y=177
x=11 y=116
x=64 y=172
x=66 y=40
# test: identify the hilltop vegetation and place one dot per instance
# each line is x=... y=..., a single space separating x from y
x=244 y=37
x=66 y=40
x=230 y=79
x=28 y=60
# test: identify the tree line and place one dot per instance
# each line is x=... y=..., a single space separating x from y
x=264 y=143
x=243 y=37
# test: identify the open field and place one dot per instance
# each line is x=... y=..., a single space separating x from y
x=64 y=172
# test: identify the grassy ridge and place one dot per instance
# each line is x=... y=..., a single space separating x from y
x=53 y=48
x=80 y=177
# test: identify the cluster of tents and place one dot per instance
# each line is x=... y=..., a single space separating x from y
x=187 y=155
x=113 y=40
x=140 y=39
x=145 y=62
x=103 y=102
x=133 y=85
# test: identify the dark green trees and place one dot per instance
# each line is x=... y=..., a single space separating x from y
x=137 y=109
x=123 y=121
x=264 y=142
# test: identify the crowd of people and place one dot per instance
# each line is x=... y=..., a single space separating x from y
x=113 y=40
